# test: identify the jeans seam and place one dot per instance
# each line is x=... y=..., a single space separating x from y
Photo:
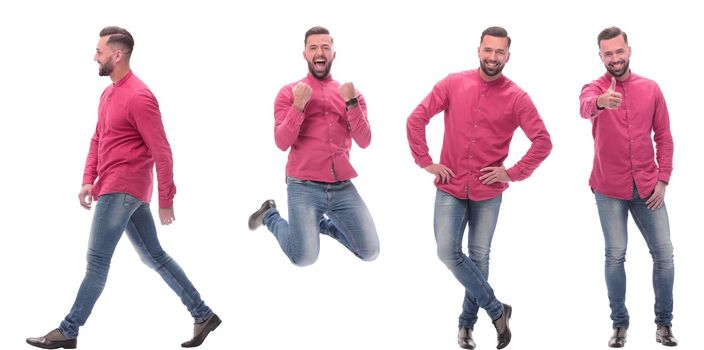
x=141 y=240
x=345 y=231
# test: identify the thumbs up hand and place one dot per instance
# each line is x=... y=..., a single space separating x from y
x=610 y=99
x=613 y=84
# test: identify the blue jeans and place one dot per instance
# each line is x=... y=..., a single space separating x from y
x=333 y=209
x=452 y=215
x=116 y=213
x=655 y=228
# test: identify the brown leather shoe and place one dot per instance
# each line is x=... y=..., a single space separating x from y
x=53 y=340
x=503 y=332
x=257 y=218
x=464 y=338
x=618 y=339
x=201 y=330
x=664 y=336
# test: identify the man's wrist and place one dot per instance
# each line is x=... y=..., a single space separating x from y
x=598 y=106
x=351 y=102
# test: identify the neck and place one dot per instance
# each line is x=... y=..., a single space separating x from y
x=118 y=73
x=489 y=78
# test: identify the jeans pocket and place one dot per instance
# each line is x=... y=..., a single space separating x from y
x=129 y=201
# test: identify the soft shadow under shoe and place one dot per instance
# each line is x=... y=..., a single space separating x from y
x=201 y=330
x=53 y=340
x=618 y=339
x=503 y=332
x=664 y=336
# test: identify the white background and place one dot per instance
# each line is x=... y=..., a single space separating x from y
x=216 y=68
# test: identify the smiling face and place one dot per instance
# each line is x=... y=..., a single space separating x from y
x=104 y=55
x=493 y=54
x=319 y=53
x=616 y=55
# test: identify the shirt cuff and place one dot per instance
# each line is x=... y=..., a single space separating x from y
x=597 y=110
x=88 y=180
x=664 y=177
x=514 y=174
x=424 y=161
x=297 y=117
x=166 y=202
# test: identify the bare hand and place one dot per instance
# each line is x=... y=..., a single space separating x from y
x=166 y=216
x=657 y=199
x=301 y=95
x=85 y=196
x=347 y=91
x=494 y=174
x=441 y=172
x=610 y=99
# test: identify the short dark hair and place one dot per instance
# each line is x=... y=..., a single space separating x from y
x=610 y=33
x=119 y=36
x=498 y=32
x=314 y=31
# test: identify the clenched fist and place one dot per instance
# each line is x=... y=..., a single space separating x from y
x=347 y=91
x=301 y=95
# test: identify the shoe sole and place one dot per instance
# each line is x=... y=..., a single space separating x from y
x=204 y=335
x=70 y=345
x=665 y=344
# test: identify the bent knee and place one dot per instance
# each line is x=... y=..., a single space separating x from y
x=370 y=254
x=303 y=260
x=155 y=260
x=450 y=258
x=615 y=256
x=663 y=254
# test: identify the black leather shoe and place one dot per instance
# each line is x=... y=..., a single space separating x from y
x=464 y=338
x=201 y=330
x=53 y=340
x=618 y=339
x=664 y=336
x=503 y=332
x=257 y=219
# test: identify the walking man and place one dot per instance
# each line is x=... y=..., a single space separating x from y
x=129 y=140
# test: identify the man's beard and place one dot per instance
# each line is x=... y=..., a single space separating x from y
x=619 y=73
x=491 y=71
x=319 y=75
x=106 y=69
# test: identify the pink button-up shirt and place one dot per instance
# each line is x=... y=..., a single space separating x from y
x=480 y=118
x=623 y=138
x=129 y=139
x=321 y=136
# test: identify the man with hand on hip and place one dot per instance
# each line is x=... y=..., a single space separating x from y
x=628 y=112
x=482 y=109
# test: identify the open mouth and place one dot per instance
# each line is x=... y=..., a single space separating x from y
x=320 y=63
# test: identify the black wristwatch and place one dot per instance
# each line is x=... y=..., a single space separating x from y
x=352 y=102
